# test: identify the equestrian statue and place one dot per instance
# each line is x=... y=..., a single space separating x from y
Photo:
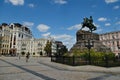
x=88 y=22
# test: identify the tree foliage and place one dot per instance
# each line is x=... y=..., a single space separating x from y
x=47 y=48
x=94 y=55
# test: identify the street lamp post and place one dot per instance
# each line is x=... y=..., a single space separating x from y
x=89 y=44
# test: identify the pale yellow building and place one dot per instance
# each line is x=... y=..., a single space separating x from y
x=0 y=41
x=5 y=36
x=34 y=46
x=18 y=32
x=9 y=36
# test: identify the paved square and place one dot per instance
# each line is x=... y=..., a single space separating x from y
x=41 y=68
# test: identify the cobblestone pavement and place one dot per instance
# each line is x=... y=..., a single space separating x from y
x=40 y=68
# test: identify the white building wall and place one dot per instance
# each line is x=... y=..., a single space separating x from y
x=54 y=48
x=5 y=39
x=18 y=33
x=33 y=46
x=111 y=40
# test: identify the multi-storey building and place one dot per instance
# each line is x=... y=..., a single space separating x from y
x=0 y=40
x=111 y=40
x=18 y=32
x=58 y=48
x=10 y=34
x=54 y=48
x=16 y=39
x=5 y=35
x=34 y=46
x=0 y=45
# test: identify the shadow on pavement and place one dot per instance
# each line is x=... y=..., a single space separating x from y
x=30 y=71
x=101 y=77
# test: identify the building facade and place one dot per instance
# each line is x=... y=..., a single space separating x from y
x=10 y=34
x=5 y=36
x=58 y=49
x=16 y=39
x=54 y=48
x=34 y=46
x=111 y=40
x=18 y=32
x=1 y=39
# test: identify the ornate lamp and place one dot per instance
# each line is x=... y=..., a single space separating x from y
x=89 y=44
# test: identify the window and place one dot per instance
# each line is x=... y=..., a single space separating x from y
x=23 y=48
x=113 y=37
x=118 y=44
x=113 y=42
x=23 y=44
x=117 y=35
x=22 y=35
x=19 y=35
x=12 y=26
x=39 y=44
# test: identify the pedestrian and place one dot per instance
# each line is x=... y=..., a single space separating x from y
x=27 y=56
x=19 y=56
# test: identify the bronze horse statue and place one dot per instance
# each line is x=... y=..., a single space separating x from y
x=89 y=23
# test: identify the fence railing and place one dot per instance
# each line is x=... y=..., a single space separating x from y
x=77 y=61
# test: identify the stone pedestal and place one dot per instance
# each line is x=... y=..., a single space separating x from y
x=83 y=36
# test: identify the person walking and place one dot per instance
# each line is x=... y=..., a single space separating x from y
x=27 y=56
x=19 y=56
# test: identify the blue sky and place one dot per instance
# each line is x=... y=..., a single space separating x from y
x=60 y=19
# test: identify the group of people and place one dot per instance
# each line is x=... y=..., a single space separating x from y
x=27 y=56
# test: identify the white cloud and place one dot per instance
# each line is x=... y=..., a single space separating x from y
x=31 y=5
x=63 y=37
x=111 y=1
x=96 y=25
x=70 y=43
x=28 y=23
x=60 y=1
x=67 y=40
x=102 y=19
x=99 y=30
x=43 y=27
x=118 y=23
x=116 y=7
x=15 y=2
x=46 y=34
x=77 y=27
x=107 y=24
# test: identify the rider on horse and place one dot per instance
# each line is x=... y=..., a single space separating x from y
x=89 y=23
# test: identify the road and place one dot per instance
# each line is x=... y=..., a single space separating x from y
x=12 y=68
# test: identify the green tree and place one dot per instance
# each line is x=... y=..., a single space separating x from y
x=47 y=48
x=95 y=56
x=63 y=50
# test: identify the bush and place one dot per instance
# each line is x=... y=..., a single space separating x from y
x=94 y=55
